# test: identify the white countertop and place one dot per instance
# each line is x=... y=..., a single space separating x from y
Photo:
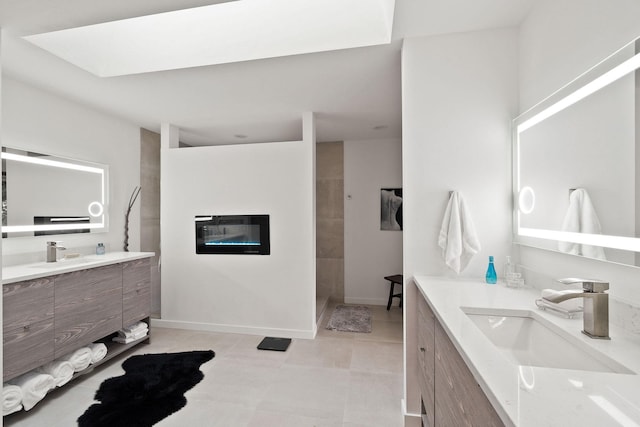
x=18 y=273
x=533 y=396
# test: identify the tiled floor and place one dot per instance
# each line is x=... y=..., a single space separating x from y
x=338 y=379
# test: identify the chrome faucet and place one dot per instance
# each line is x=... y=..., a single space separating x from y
x=52 y=251
x=596 y=305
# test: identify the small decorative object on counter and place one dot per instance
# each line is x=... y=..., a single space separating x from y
x=491 y=276
x=511 y=278
x=100 y=250
x=508 y=267
x=132 y=200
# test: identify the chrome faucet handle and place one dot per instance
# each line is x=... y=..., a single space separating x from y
x=588 y=285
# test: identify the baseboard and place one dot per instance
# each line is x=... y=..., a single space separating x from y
x=234 y=329
x=367 y=301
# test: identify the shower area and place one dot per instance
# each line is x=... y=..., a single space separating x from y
x=329 y=225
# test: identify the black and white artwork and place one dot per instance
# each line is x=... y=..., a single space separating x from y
x=391 y=209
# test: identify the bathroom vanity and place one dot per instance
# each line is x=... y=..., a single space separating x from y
x=52 y=309
x=450 y=394
x=488 y=357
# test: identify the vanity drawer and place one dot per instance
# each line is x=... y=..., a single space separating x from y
x=27 y=347
x=88 y=306
x=136 y=305
x=27 y=302
x=136 y=275
x=459 y=399
x=27 y=325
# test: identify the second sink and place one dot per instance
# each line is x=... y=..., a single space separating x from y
x=527 y=339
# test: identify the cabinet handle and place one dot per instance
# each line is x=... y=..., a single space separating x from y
x=422 y=349
x=26 y=327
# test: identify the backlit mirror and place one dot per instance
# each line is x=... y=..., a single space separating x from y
x=49 y=195
x=576 y=151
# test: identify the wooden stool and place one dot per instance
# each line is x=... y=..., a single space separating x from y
x=393 y=280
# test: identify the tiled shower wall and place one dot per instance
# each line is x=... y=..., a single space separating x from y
x=330 y=220
x=150 y=208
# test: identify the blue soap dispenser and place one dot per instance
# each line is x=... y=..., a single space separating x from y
x=491 y=276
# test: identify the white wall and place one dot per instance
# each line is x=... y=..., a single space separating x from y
x=44 y=122
x=459 y=95
x=558 y=41
x=271 y=294
x=370 y=253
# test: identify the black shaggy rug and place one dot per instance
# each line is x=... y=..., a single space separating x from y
x=151 y=389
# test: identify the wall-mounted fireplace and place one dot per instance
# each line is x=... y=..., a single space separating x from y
x=232 y=234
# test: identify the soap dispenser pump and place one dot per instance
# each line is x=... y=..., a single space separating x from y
x=491 y=277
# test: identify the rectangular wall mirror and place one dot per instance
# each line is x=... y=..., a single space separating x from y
x=575 y=155
x=44 y=194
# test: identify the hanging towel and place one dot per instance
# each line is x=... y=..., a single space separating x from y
x=98 y=351
x=34 y=387
x=11 y=399
x=80 y=359
x=61 y=371
x=581 y=217
x=457 y=237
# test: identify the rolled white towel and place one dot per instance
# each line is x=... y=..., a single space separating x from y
x=570 y=304
x=80 y=359
x=11 y=399
x=61 y=371
x=98 y=351
x=35 y=386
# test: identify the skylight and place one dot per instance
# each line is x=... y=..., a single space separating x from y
x=235 y=31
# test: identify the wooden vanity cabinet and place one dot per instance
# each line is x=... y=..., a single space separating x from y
x=28 y=325
x=426 y=360
x=53 y=316
x=451 y=397
x=136 y=291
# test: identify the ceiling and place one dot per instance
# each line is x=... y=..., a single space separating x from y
x=355 y=92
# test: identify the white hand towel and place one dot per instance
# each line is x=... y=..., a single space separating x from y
x=98 y=352
x=35 y=386
x=581 y=217
x=135 y=327
x=137 y=334
x=458 y=238
x=80 y=359
x=61 y=371
x=123 y=338
x=570 y=304
x=11 y=399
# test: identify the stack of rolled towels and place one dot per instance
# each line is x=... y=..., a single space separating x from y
x=25 y=391
x=132 y=333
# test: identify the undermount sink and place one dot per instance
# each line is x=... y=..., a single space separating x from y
x=528 y=339
x=61 y=263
